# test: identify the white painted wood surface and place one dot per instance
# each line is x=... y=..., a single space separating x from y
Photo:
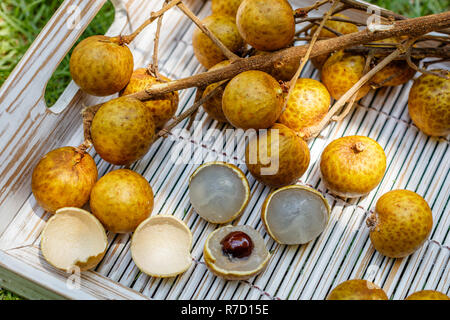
x=342 y=252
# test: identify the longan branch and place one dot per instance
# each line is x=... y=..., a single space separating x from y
x=301 y=12
x=154 y=15
x=155 y=68
x=422 y=70
x=230 y=55
x=410 y=27
x=417 y=53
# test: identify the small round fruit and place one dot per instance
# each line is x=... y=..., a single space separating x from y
x=277 y=157
x=267 y=25
x=352 y=166
x=401 y=223
x=235 y=252
x=357 y=290
x=161 y=245
x=162 y=109
x=64 y=177
x=281 y=70
x=229 y=7
x=396 y=73
x=101 y=66
x=295 y=214
x=429 y=104
x=307 y=105
x=213 y=106
x=121 y=200
x=252 y=99
x=428 y=295
x=224 y=28
x=219 y=191
x=73 y=238
x=122 y=130
x=339 y=26
x=341 y=71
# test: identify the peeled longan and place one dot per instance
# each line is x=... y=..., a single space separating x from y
x=341 y=71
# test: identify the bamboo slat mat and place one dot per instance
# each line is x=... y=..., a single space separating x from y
x=343 y=251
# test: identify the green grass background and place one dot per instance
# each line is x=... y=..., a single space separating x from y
x=22 y=20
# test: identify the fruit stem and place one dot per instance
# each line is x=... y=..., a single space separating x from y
x=153 y=16
x=371 y=221
x=359 y=147
x=82 y=148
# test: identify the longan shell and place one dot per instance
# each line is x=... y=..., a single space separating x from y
x=341 y=71
x=63 y=178
x=342 y=27
x=429 y=104
x=162 y=109
x=396 y=73
x=357 y=290
x=267 y=25
x=100 y=66
x=281 y=70
x=252 y=99
x=122 y=130
x=348 y=172
x=401 y=223
x=293 y=157
x=229 y=7
x=307 y=105
x=213 y=106
x=224 y=28
x=121 y=200
x=428 y=295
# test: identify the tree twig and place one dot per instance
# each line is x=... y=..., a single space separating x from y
x=412 y=27
x=302 y=12
x=422 y=70
x=154 y=67
x=154 y=15
x=230 y=55
x=198 y=96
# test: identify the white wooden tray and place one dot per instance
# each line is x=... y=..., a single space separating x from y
x=28 y=130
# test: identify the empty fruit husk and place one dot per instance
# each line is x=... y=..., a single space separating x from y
x=219 y=191
x=73 y=238
x=295 y=214
x=161 y=245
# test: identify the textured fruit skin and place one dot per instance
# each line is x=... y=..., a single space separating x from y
x=163 y=109
x=397 y=71
x=429 y=104
x=357 y=290
x=122 y=130
x=401 y=223
x=100 y=66
x=348 y=172
x=342 y=27
x=428 y=295
x=63 y=178
x=121 y=200
x=281 y=70
x=224 y=28
x=229 y=7
x=341 y=71
x=252 y=99
x=293 y=156
x=213 y=106
x=267 y=25
x=307 y=105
